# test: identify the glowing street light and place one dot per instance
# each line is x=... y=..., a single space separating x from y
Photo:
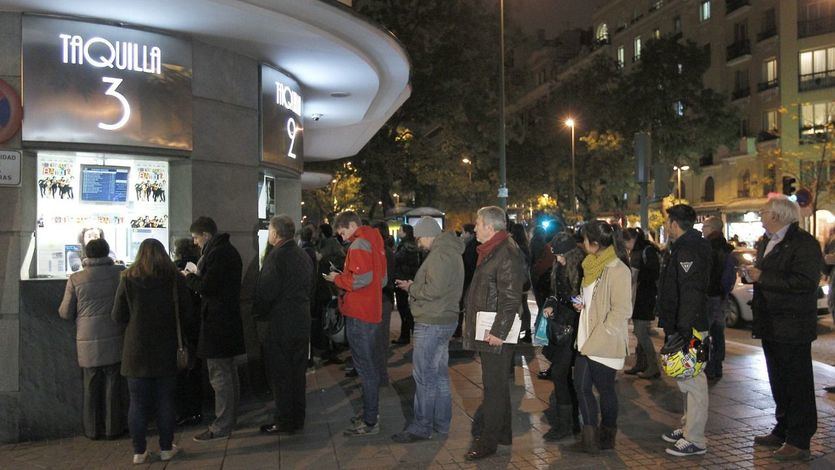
x=469 y=164
x=678 y=174
x=570 y=123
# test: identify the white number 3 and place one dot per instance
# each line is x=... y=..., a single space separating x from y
x=114 y=83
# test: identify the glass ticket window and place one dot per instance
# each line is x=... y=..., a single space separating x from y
x=82 y=196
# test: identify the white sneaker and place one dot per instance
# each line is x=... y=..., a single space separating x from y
x=139 y=459
x=166 y=455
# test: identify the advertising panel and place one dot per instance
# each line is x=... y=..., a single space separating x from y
x=119 y=198
x=89 y=83
x=282 y=125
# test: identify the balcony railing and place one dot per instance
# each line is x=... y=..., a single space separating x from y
x=738 y=49
x=740 y=93
x=817 y=81
x=762 y=86
x=767 y=32
x=813 y=27
x=732 y=5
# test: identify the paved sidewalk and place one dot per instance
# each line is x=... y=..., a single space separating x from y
x=740 y=407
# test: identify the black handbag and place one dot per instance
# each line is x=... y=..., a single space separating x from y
x=333 y=323
x=183 y=354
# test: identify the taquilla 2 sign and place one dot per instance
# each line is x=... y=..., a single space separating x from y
x=282 y=123
x=89 y=83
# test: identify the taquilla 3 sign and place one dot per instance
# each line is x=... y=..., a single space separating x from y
x=90 y=83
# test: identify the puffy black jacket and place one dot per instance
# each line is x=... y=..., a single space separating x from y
x=282 y=295
x=406 y=260
x=682 y=289
x=785 y=297
x=720 y=250
x=219 y=286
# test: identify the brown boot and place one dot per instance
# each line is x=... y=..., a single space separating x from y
x=588 y=442
x=607 y=437
x=790 y=453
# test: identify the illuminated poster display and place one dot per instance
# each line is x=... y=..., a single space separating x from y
x=96 y=84
x=282 y=125
x=119 y=198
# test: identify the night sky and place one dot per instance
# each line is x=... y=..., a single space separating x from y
x=553 y=16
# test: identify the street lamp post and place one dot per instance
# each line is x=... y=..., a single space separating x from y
x=678 y=178
x=502 y=155
x=469 y=164
x=570 y=123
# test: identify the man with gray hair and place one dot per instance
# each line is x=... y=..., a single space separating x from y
x=496 y=287
x=282 y=298
x=785 y=279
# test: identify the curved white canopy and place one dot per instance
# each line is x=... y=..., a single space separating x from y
x=325 y=46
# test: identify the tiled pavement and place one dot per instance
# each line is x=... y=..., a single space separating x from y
x=740 y=407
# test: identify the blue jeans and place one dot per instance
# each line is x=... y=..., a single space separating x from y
x=362 y=339
x=147 y=394
x=589 y=374
x=433 y=399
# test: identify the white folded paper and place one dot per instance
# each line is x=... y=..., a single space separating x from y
x=484 y=322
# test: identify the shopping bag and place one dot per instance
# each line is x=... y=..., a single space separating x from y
x=540 y=338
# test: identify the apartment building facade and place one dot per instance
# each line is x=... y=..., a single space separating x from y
x=776 y=62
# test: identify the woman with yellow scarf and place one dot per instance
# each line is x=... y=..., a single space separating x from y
x=605 y=306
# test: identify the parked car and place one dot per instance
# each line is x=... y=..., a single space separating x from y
x=738 y=307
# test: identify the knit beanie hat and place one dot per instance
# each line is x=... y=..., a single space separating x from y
x=427 y=227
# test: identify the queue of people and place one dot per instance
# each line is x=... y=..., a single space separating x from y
x=156 y=321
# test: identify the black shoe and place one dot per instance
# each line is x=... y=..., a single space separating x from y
x=400 y=341
x=480 y=450
x=406 y=437
x=190 y=420
x=279 y=429
x=544 y=374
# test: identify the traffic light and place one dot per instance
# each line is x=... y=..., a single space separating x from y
x=788 y=185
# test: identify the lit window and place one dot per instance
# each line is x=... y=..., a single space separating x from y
x=704 y=10
x=817 y=61
x=814 y=118
x=770 y=70
x=602 y=34
x=678 y=108
x=770 y=122
x=621 y=56
x=656 y=33
x=637 y=44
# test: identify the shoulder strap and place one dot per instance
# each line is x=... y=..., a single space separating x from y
x=177 y=314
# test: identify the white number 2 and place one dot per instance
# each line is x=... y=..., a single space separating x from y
x=292 y=130
x=114 y=83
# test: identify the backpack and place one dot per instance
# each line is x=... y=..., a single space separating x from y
x=333 y=323
x=728 y=279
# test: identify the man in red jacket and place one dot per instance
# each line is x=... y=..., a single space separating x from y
x=361 y=303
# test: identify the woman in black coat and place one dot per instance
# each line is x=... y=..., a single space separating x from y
x=150 y=297
x=407 y=260
x=646 y=267
x=189 y=381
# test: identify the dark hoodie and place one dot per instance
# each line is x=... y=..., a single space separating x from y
x=438 y=283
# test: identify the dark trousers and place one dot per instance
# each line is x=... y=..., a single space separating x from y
x=190 y=390
x=525 y=316
x=383 y=340
x=407 y=322
x=793 y=388
x=103 y=408
x=716 y=319
x=146 y=395
x=492 y=421
x=562 y=362
x=589 y=374
x=363 y=339
x=287 y=365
